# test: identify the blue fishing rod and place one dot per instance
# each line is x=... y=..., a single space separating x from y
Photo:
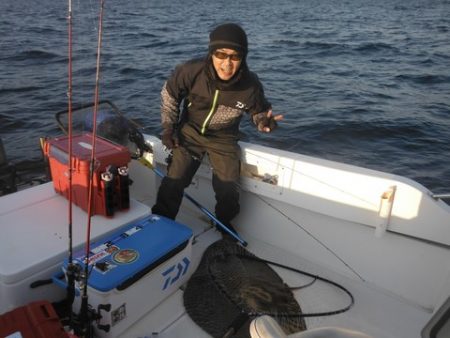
x=199 y=206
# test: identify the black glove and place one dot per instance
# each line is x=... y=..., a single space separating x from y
x=169 y=139
x=263 y=122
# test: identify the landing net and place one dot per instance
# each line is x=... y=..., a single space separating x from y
x=229 y=290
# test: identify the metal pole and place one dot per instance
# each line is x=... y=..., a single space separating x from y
x=440 y=196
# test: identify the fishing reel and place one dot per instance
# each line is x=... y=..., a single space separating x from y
x=83 y=323
x=88 y=318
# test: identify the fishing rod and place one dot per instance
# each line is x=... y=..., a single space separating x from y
x=274 y=208
x=211 y=216
x=143 y=147
x=84 y=310
x=140 y=143
x=70 y=273
x=198 y=205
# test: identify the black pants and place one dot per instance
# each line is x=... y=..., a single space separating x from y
x=224 y=156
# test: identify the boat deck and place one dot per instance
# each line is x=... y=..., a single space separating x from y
x=375 y=312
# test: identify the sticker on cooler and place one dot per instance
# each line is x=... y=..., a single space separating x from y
x=125 y=256
x=15 y=335
x=85 y=145
x=97 y=257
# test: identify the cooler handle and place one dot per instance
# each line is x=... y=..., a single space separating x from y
x=59 y=280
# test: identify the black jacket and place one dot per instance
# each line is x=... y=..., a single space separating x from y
x=212 y=106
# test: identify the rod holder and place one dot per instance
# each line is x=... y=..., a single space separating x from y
x=108 y=188
x=124 y=190
x=385 y=211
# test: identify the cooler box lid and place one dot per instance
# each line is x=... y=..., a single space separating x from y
x=82 y=148
x=122 y=258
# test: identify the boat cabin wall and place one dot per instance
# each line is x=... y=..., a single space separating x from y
x=348 y=192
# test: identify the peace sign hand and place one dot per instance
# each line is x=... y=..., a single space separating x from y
x=267 y=121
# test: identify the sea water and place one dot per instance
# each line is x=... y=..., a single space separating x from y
x=358 y=81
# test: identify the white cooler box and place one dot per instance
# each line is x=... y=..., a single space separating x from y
x=133 y=270
x=34 y=227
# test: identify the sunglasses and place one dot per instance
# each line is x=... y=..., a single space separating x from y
x=223 y=56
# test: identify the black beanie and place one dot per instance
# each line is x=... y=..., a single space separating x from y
x=229 y=35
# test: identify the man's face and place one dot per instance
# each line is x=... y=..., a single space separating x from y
x=226 y=62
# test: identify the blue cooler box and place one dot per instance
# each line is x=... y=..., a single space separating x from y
x=135 y=269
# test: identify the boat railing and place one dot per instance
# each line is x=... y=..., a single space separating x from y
x=441 y=196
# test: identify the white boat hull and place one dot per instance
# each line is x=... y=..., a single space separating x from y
x=320 y=216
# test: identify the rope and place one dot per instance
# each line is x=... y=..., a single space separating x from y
x=308 y=233
x=285 y=315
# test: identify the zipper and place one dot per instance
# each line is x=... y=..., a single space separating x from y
x=211 y=112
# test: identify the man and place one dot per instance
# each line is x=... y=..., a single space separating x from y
x=215 y=93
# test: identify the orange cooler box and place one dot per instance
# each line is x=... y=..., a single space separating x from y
x=110 y=187
x=35 y=320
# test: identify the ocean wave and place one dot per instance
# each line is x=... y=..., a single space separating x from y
x=441 y=56
x=154 y=44
x=375 y=47
x=34 y=54
x=325 y=45
x=423 y=78
x=130 y=71
x=9 y=123
x=363 y=48
x=286 y=42
x=363 y=130
x=19 y=89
